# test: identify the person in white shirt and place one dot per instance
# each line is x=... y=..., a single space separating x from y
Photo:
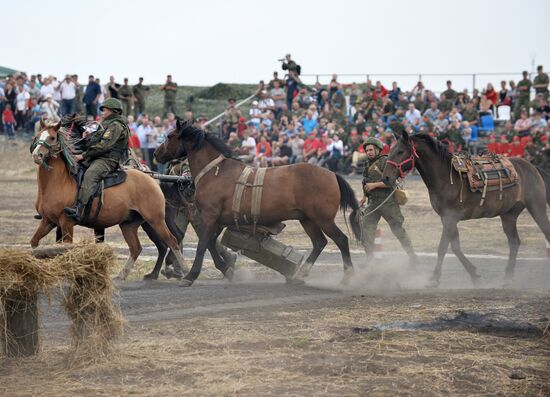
x=255 y=114
x=21 y=107
x=336 y=150
x=247 y=151
x=67 y=90
x=412 y=115
x=56 y=86
x=145 y=133
x=47 y=88
x=50 y=108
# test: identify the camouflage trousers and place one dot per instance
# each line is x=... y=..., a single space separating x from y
x=96 y=172
x=521 y=102
x=193 y=216
x=391 y=212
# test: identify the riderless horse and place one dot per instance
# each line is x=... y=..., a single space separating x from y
x=304 y=192
x=454 y=203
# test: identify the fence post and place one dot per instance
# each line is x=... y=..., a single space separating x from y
x=473 y=82
x=419 y=77
x=316 y=78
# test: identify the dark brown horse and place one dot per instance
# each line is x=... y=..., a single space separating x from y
x=139 y=199
x=304 y=192
x=433 y=162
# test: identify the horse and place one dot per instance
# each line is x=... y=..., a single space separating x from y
x=433 y=162
x=137 y=201
x=303 y=192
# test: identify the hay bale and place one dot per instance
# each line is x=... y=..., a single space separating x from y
x=22 y=277
x=96 y=321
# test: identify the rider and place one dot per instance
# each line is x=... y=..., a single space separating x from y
x=104 y=150
x=377 y=192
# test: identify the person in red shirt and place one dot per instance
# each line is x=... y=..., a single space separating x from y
x=492 y=146
x=516 y=148
x=311 y=145
x=491 y=94
x=8 y=120
x=503 y=146
x=263 y=152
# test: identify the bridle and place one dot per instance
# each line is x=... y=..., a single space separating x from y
x=410 y=159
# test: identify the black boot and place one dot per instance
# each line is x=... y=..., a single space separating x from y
x=38 y=216
x=74 y=212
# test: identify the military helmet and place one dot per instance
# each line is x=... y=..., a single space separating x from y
x=375 y=142
x=113 y=104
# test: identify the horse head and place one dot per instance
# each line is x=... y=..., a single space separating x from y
x=47 y=143
x=176 y=144
x=401 y=159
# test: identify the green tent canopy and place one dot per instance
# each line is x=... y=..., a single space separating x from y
x=7 y=71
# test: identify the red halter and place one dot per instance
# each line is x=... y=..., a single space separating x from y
x=400 y=165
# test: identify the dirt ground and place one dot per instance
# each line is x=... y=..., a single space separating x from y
x=259 y=336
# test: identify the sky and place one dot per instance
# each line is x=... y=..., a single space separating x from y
x=239 y=41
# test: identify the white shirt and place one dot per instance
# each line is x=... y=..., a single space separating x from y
x=250 y=144
x=68 y=90
x=45 y=90
x=266 y=104
x=255 y=115
x=22 y=100
x=413 y=116
x=144 y=132
x=56 y=92
x=50 y=108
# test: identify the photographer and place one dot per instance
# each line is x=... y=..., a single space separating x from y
x=292 y=78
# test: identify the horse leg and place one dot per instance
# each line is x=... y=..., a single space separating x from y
x=161 y=248
x=44 y=227
x=441 y=251
x=455 y=245
x=67 y=226
x=538 y=212
x=319 y=242
x=341 y=240
x=99 y=235
x=205 y=239
x=160 y=228
x=509 y=224
x=130 y=233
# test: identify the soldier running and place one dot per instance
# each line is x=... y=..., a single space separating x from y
x=377 y=192
x=104 y=150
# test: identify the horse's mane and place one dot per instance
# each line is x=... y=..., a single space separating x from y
x=435 y=145
x=189 y=132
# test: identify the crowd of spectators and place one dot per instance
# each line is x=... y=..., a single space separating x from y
x=290 y=122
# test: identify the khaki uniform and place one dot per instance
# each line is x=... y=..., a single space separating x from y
x=541 y=79
x=522 y=99
x=140 y=91
x=105 y=149
x=170 y=99
x=125 y=96
x=390 y=210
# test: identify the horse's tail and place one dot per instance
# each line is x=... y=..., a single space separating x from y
x=546 y=177
x=348 y=200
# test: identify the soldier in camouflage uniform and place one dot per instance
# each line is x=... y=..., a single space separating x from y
x=104 y=150
x=186 y=212
x=125 y=95
x=140 y=91
x=540 y=83
x=524 y=91
x=377 y=191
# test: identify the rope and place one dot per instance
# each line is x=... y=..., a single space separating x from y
x=381 y=204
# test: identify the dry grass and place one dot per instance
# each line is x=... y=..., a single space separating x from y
x=96 y=322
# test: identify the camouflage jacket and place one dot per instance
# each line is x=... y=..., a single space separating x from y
x=373 y=173
x=110 y=141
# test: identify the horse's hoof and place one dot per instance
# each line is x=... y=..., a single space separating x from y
x=150 y=277
x=229 y=273
x=348 y=275
x=304 y=270
x=432 y=283
x=185 y=283
x=294 y=280
x=170 y=272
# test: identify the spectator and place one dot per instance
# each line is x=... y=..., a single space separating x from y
x=112 y=88
x=540 y=83
x=146 y=134
x=126 y=97
x=47 y=88
x=91 y=97
x=336 y=152
x=274 y=80
x=503 y=147
x=524 y=89
x=516 y=148
x=247 y=151
x=140 y=92
x=283 y=152
x=433 y=112
x=395 y=91
x=263 y=152
x=22 y=108
x=278 y=96
x=170 y=89
x=309 y=123
x=231 y=117
x=266 y=103
x=311 y=146
x=413 y=115
x=8 y=120
x=68 y=94
x=50 y=108
x=491 y=95
x=297 y=146
x=449 y=92
x=522 y=126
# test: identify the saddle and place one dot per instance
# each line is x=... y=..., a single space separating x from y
x=257 y=191
x=485 y=173
x=114 y=178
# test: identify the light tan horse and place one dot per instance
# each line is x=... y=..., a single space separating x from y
x=139 y=199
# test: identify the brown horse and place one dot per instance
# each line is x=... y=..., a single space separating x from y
x=433 y=162
x=139 y=199
x=304 y=192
